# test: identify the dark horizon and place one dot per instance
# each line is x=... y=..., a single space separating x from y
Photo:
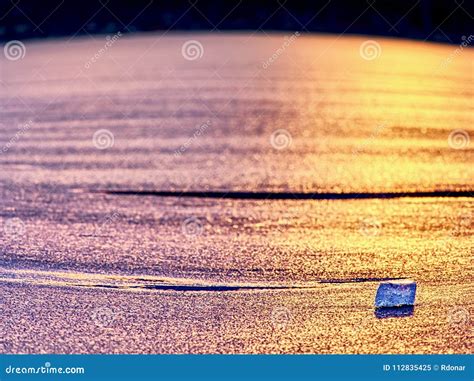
x=444 y=21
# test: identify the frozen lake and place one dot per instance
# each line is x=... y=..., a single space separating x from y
x=170 y=266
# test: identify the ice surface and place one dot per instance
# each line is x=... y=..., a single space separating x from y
x=393 y=294
x=339 y=143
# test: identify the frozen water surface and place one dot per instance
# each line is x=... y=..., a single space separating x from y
x=83 y=271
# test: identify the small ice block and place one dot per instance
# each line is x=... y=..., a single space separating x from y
x=396 y=294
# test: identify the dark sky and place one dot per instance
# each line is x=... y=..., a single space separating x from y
x=440 y=20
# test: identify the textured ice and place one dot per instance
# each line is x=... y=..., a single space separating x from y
x=336 y=146
x=394 y=294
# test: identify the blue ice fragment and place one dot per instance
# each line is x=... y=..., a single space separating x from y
x=394 y=312
x=395 y=294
